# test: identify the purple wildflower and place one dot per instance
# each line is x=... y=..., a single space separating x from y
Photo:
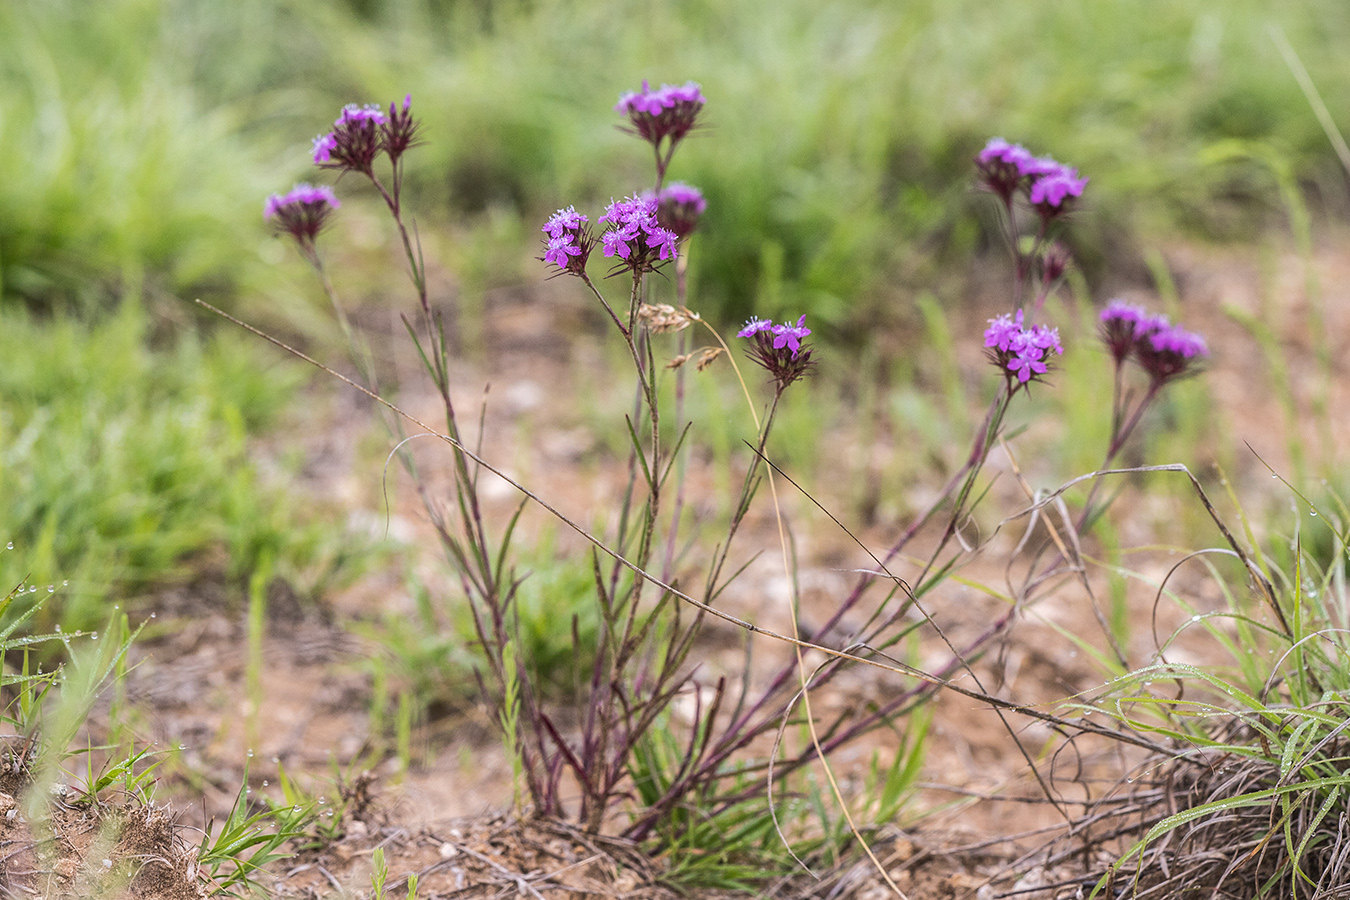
x=779 y=348
x=1000 y=152
x=790 y=336
x=1165 y=351
x=1050 y=190
x=754 y=325
x=351 y=114
x=356 y=139
x=398 y=129
x=301 y=212
x=668 y=113
x=635 y=236
x=1006 y=168
x=569 y=241
x=1169 y=352
x=679 y=208
x=1018 y=351
x=1121 y=323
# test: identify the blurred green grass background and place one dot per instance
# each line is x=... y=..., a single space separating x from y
x=138 y=137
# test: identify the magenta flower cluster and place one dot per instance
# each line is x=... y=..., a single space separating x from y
x=1020 y=352
x=679 y=207
x=361 y=133
x=635 y=236
x=781 y=336
x=301 y=212
x=1006 y=169
x=642 y=231
x=779 y=348
x=1163 y=350
x=569 y=241
x=667 y=113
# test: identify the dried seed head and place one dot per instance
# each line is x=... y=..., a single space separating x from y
x=664 y=318
x=706 y=356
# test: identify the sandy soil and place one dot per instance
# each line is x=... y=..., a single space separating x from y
x=543 y=354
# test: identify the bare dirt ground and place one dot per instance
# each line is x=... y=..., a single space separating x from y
x=543 y=354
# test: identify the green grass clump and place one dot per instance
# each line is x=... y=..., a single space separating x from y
x=124 y=468
x=432 y=655
x=114 y=174
x=1250 y=797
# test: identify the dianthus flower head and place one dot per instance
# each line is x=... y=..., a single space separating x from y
x=1050 y=191
x=356 y=139
x=1004 y=166
x=665 y=114
x=679 y=208
x=779 y=348
x=398 y=129
x=301 y=212
x=1164 y=351
x=635 y=236
x=1021 y=353
x=1168 y=352
x=997 y=151
x=569 y=241
x=1005 y=169
x=1121 y=323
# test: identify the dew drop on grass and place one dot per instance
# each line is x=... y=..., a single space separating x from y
x=9 y=546
x=265 y=782
x=1312 y=512
x=1195 y=618
x=51 y=588
x=250 y=752
x=182 y=746
x=65 y=583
